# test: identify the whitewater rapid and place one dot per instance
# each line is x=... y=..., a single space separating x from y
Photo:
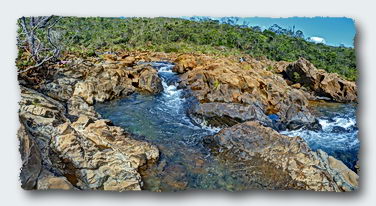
x=339 y=134
x=163 y=120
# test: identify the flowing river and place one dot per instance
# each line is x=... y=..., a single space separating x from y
x=339 y=134
x=184 y=162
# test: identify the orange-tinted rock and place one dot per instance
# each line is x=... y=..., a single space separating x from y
x=322 y=83
x=185 y=63
x=109 y=81
x=225 y=80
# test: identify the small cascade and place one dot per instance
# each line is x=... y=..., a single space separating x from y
x=184 y=162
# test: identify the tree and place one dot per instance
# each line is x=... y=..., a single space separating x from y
x=299 y=34
x=38 y=39
x=257 y=28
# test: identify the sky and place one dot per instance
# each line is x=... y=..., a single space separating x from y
x=330 y=30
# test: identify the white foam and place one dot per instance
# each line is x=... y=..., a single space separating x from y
x=204 y=125
x=325 y=138
x=165 y=69
x=174 y=101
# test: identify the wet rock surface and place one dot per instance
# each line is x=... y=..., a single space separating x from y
x=65 y=143
x=228 y=114
x=275 y=161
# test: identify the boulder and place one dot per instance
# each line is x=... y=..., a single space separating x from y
x=150 y=82
x=88 y=153
x=227 y=82
x=228 y=114
x=345 y=178
x=47 y=181
x=184 y=63
x=61 y=88
x=109 y=81
x=322 y=83
x=275 y=161
x=76 y=106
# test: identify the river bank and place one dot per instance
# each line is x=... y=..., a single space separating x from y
x=231 y=93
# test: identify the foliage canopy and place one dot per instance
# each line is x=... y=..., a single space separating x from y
x=88 y=36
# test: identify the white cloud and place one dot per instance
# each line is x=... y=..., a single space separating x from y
x=316 y=39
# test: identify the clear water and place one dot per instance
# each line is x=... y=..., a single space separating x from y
x=162 y=119
x=184 y=162
x=339 y=134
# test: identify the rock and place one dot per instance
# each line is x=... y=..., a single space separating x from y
x=87 y=154
x=128 y=61
x=338 y=130
x=228 y=82
x=102 y=89
x=322 y=83
x=345 y=178
x=150 y=81
x=228 y=114
x=184 y=63
x=39 y=108
x=47 y=181
x=109 y=81
x=275 y=161
x=175 y=177
x=296 y=86
x=77 y=106
x=31 y=159
x=357 y=167
x=61 y=88
x=102 y=156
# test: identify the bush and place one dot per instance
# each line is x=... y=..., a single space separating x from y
x=83 y=35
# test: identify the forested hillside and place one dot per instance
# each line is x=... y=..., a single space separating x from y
x=88 y=36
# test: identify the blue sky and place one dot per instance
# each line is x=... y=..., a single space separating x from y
x=335 y=31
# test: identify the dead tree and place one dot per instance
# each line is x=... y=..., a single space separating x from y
x=40 y=51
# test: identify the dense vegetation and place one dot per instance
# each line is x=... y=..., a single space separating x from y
x=88 y=36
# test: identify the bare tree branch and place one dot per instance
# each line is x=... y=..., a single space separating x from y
x=33 y=44
x=37 y=65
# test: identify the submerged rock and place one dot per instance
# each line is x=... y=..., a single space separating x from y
x=275 y=161
x=175 y=178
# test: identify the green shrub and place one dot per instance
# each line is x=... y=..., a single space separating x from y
x=217 y=84
x=296 y=76
x=85 y=35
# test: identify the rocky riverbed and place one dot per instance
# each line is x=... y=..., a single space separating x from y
x=66 y=142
